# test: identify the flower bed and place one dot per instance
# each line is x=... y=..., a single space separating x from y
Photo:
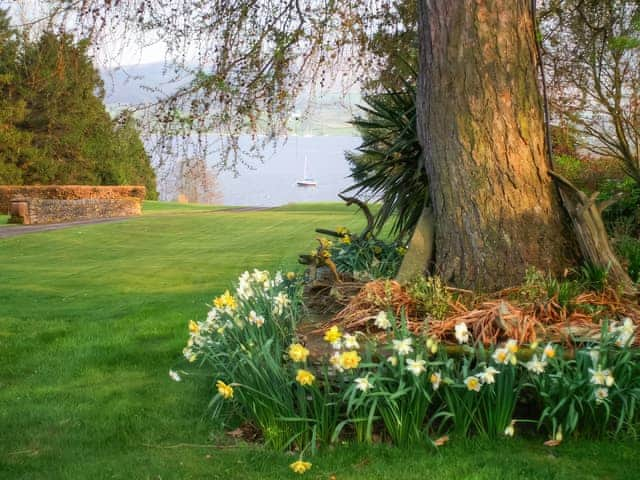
x=386 y=382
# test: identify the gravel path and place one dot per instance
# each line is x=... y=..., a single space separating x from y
x=16 y=230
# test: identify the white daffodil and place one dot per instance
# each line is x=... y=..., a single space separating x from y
x=536 y=366
x=436 y=380
x=393 y=361
x=175 y=376
x=363 y=384
x=473 y=383
x=255 y=319
x=336 y=361
x=601 y=394
x=382 y=321
x=597 y=376
x=488 y=376
x=462 y=333
x=350 y=342
x=416 y=366
x=501 y=355
x=548 y=352
x=608 y=378
x=512 y=346
x=511 y=429
x=403 y=347
x=280 y=302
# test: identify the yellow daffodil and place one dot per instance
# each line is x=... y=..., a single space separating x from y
x=346 y=239
x=194 y=328
x=298 y=353
x=350 y=360
x=342 y=231
x=225 y=391
x=305 y=377
x=300 y=467
x=332 y=335
x=225 y=300
x=291 y=276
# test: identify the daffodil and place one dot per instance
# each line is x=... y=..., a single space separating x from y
x=393 y=360
x=194 y=328
x=511 y=429
x=549 y=351
x=416 y=366
x=298 y=353
x=473 y=384
x=342 y=231
x=436 y=380
x=536 y=366
x=281 y=301
x=225 y=391
x=601 y=394
x=601 y=377
x=501 y=355
x=363 y=384
x=175 y=376
x=332 y=335
x=401 y=251
x=350 y=341
x=346 y=239
x=255 y=319
x=432 y=345
x=403 y=347
x=462 y=333
x=291 y=276
x=305 y=377
x=300 y=467
x=350 y=360
x=488 y=376
x=382 y=321
x=512 y=346
x=335 y=362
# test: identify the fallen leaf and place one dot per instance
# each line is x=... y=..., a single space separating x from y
x=441 y=441
x=552 y=443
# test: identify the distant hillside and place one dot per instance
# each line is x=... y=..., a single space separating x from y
x=137 y=84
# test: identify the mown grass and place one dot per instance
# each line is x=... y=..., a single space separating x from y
x=4 y=219
x=150 y=207
x=93 y=317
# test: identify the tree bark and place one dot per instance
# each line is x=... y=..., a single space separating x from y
x=480 y=123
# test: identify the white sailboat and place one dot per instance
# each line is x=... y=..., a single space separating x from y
x=306 y=181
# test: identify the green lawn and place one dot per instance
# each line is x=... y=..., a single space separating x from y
x=150 y=207
x=4 y=219
x=93 y=317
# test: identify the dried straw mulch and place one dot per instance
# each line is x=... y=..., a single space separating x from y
x=491 y=319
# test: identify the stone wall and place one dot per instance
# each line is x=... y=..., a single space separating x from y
x=31 y=211
x=67 y=192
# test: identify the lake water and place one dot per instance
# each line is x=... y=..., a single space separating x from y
x=273 y=182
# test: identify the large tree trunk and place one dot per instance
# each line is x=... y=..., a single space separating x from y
x=480 y=122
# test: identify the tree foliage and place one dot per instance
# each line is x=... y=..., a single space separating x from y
x=389 y=164
x=54 y=123
x=592 y=55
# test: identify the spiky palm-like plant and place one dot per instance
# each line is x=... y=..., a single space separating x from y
x=388 y=163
